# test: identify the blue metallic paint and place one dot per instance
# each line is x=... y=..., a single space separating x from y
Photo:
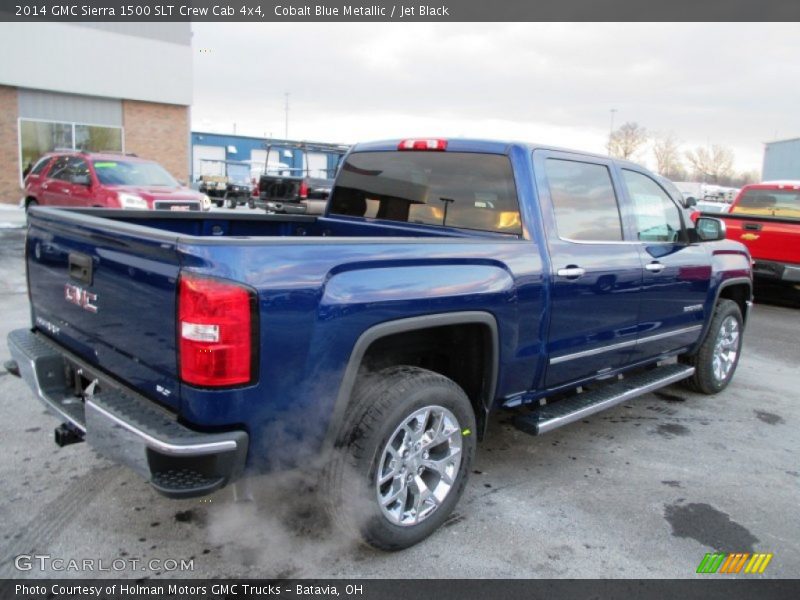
x=323 y=282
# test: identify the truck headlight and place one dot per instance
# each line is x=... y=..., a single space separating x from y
x=132 y=201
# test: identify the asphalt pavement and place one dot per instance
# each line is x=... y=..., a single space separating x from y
x=642 y=490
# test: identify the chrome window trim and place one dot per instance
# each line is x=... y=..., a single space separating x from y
x=619 y=345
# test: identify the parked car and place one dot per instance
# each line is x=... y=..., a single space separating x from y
x=106 y=180
x=766 y=218
x=446 y=279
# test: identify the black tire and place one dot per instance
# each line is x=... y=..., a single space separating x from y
x=230 y=203
x=705 y=379
x=381 y=403
x=31 y=202
x=218 y=203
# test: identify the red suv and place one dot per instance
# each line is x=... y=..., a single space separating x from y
x=107 y=181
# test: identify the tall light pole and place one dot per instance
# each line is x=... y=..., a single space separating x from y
x=611 y=130
x=286 y=110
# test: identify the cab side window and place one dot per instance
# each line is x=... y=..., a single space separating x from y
x=584 y=201
x=656 y=217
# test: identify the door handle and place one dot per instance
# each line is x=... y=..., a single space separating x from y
x=571 y=272
x=654 y=267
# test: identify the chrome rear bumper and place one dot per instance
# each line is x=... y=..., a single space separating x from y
x=126 y=427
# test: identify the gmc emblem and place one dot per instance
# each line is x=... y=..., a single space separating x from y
x=80 y=297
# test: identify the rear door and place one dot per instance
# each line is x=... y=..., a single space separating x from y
x=676 y=274
x=56 y=188
x=596 y=274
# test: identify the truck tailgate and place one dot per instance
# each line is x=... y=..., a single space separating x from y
x=107 y=291
x=767 y=238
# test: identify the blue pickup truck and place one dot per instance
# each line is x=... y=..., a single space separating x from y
x=446 y=279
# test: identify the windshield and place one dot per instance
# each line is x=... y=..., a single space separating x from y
x=239 y=174
x=452 y=189
x=778 y=203
x=121 y=172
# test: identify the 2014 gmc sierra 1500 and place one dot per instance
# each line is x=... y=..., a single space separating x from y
x=446 y=279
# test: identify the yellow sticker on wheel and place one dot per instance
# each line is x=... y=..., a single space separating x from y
x=466 y=432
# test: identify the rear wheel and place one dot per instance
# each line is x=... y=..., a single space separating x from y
x=230 y=203
x=403 y=460
x=716 y=360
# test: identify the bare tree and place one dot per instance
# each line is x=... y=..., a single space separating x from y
x=666 y=150
x=626 y=140
x=712 y=164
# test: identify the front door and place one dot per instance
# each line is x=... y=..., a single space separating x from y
x=677 y=274
x=596 y=274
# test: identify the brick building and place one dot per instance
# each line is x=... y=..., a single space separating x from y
x=123 y=87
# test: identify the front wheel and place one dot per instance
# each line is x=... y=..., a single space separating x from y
x=716 y=360
x=403 y=460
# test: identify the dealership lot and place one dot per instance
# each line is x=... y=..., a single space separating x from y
x=642 y=490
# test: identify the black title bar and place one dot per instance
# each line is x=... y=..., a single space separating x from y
x=705 y=588
x=398 y=10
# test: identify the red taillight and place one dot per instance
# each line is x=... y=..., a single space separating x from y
x=255 y=191
x=422 y=145
x=214 y=332
x=303 y=193
x=694 y=216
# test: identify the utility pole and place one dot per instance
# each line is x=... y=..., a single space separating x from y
x=611 y=130
x=286 y=110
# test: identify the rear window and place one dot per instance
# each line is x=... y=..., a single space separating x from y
x=449 y=189
x=770 y=202
x=39 y=167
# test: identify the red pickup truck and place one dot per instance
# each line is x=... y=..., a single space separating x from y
x=766 y=218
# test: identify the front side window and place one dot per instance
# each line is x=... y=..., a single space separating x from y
x=77 y=167
x=449 y=189
x=584 y=201
x=655 y=214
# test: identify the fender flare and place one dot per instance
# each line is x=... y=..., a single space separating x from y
x=724 y=284
x=382 y=330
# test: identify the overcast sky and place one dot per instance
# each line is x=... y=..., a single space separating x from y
x=735 y=84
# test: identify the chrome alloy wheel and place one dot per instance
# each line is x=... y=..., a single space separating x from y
x=726 y=349
x=419 y=465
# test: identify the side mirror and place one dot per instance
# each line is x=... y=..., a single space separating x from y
x=689 y=202
x=81 y=180
x=710 y=229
